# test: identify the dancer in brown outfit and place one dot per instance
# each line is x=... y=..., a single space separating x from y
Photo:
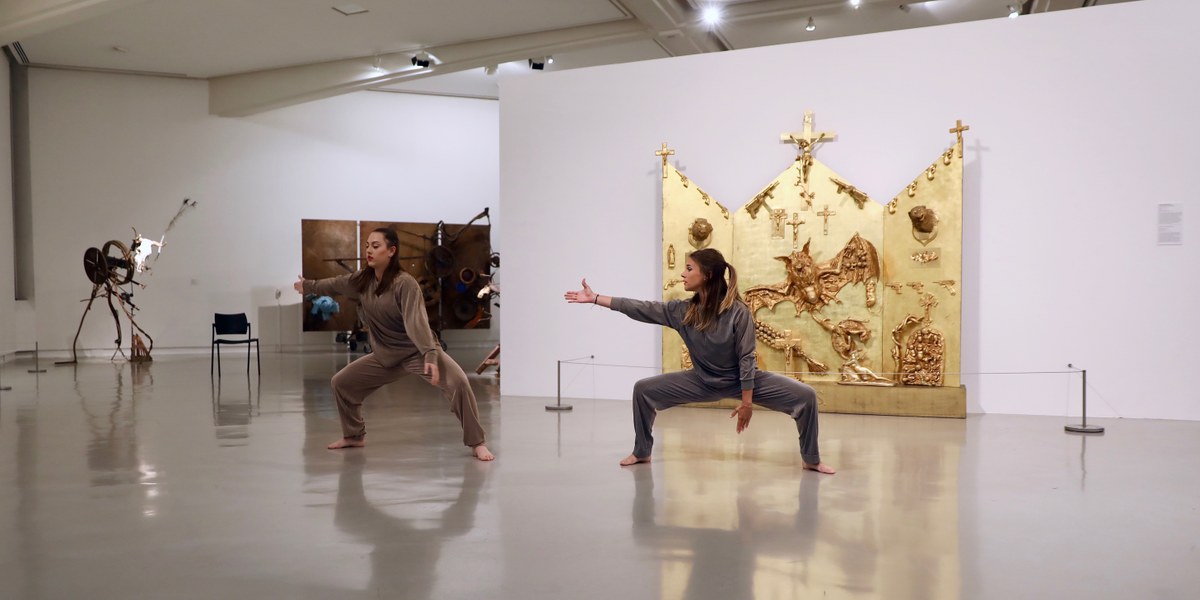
x=393 y=309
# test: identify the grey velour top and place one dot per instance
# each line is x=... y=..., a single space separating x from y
x=723 y=354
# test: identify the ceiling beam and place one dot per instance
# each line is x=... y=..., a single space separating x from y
x=679 y=27
x=249 y=93
x=23 y=19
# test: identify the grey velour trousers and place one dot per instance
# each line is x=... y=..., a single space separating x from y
x=772 y=391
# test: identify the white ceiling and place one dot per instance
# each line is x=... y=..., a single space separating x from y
x=211 y=38
x=254 y=43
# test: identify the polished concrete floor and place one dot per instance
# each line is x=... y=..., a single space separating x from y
x=122 y=481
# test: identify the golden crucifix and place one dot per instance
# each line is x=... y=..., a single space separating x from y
x=796 y=222
x=959 y=129
x=791 y=347
x=777 y=217
x=826 y=214
x=806 y=139
x=664 y=153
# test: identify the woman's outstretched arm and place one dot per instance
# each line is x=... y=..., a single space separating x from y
x=646 y=311
x=339 y=285
x=587 y=296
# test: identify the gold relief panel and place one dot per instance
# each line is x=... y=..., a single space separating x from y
x=913 y=263
x=691 y=220
x=811 y=282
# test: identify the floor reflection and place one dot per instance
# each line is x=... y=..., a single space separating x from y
x=119 y=481
x=743 y=521
x=234 y=405
x=30 y=578
x=111 y=419
x=407 y=537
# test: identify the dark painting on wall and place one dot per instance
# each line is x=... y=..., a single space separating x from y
x=451 y=272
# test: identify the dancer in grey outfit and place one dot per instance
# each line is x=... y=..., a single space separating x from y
x=718 y=330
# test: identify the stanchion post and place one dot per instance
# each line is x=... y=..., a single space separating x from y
x=37 y=368
x=1083 y=427
x=3 y=388
x=558 y=405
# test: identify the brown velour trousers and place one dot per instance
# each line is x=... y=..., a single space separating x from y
x=360 y=378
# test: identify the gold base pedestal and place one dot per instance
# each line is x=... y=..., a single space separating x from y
x=898 y=401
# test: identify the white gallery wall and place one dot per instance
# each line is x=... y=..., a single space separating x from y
x=111 y=152
x=8 y=342
x=1081 y=124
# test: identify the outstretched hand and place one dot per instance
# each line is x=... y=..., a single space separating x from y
x=583 y=296
x=299 y=285
x=743 y=414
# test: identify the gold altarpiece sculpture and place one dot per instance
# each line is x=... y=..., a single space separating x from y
x=859 y=298
x=698 y=222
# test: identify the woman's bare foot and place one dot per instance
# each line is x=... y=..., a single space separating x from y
x=820 y=468
x=633 y=460
x=482 y=453
x=347 y=443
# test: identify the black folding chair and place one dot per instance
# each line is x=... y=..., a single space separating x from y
x=232 y=325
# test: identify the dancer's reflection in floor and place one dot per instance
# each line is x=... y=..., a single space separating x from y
x=724 y=562
x=404 y=562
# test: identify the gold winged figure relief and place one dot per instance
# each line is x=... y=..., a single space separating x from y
x=810 y=286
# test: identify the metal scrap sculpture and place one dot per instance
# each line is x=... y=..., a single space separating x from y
x=111 y=266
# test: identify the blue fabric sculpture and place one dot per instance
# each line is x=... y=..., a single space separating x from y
x=324 y=306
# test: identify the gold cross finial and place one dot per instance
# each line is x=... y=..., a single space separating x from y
x=807 y=138
x=959 y=129
x=664 y=153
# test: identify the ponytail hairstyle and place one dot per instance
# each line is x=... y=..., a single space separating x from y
x=362 y=279
x=716 y=295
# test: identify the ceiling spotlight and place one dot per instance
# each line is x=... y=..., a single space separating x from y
x=537 y=64
x=421 y=59
x=1013 y=12
x=855 y=4
x=811 y=26
x=711 y=15
x=549 y=60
